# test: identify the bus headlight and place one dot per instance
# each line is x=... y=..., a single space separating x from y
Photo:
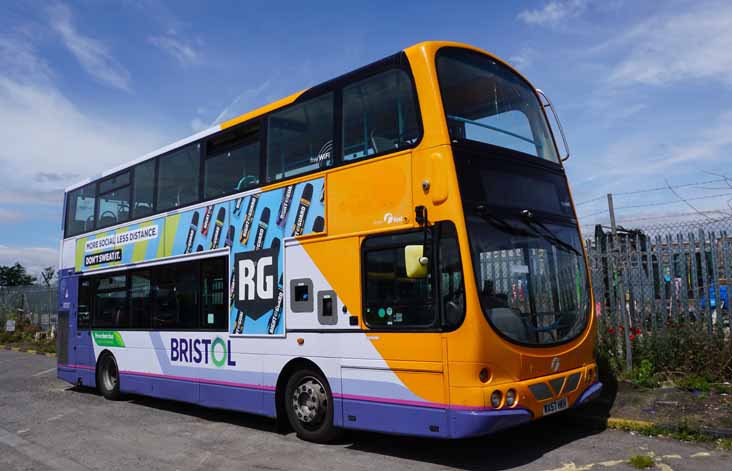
x=496 y=399
x=510 y=397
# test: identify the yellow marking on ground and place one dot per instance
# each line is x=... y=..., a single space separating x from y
x=611 y=463
x=701 y=454
x=664 y=467
x=573 y=467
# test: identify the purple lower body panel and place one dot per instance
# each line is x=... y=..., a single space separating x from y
x=428 y=421
x=590 y=394
x=77 y=374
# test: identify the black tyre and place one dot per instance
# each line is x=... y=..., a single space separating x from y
x=108 y=377
x=309 y=406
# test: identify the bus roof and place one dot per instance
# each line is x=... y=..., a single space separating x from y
x=424 y=45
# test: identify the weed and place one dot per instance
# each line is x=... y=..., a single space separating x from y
x=641 y=461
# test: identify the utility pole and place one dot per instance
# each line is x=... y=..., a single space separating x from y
x=616 y=259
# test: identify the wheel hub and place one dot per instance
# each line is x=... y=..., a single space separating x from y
x=310 y=401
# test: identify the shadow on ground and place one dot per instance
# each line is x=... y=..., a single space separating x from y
x=505 y=450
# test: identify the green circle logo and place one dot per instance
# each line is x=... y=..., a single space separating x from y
x=219 y=362
x=381 y=312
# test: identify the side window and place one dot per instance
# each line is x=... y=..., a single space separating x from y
x=214 y=294
x=83 y=312
x=300 y=138
x=391 y=299
x=140 y=299
x=232 y=162
x=143 y=197
x=110 y=302
x=379 y=115
x=452 y=290
x=178 y=178
x=80 y=210
x=114 y=200
x=176 y=296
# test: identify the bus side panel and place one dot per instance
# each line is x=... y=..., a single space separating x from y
x=373 y=401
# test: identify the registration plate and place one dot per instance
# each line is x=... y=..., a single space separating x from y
x=555 y=406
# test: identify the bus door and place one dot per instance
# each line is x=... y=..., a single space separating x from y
x=412 y=292
x=80 y=334
x=66 y=321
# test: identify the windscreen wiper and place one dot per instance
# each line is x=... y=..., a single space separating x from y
x=548 y=235
x=483 y=211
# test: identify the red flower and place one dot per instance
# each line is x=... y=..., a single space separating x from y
x=632 y=336
x=637 y=331
x=611 y=330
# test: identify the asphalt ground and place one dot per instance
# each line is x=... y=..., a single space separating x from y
x=46 y=424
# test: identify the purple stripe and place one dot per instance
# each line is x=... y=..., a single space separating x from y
x=383 y=400
x=202 y=380
x=83 y=367
x=403 y=402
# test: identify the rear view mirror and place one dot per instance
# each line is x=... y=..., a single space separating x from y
x=415 y=262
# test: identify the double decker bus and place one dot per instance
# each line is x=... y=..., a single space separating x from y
x=393 y=250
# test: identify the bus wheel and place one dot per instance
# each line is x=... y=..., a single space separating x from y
x=309 y=406
x=108 y=377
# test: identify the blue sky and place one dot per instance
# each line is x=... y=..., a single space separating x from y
x=644 y=89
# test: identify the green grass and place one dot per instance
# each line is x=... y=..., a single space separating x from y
x=641 y=461
x=682 y=432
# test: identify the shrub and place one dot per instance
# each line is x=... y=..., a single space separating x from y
x=683 y=352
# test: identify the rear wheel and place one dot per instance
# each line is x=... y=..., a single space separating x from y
x=309 y=406
x=108 y=377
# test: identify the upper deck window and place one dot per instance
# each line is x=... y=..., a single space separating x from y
x=114 y=200
x=178 y=178
x=486 y=102
x=232 y=162
x=143 y=198
x=80 y=205
x=379 y=115
x=300 y=138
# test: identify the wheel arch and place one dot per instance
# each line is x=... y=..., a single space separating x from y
x=290 y=367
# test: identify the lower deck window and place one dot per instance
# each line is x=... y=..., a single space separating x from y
x=179 y=296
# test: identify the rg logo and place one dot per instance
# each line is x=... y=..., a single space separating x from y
x=256 y=273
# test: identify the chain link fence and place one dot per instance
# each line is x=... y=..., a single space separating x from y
x=647 y=277
x=34 y=304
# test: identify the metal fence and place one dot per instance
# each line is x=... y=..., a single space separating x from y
x=34 y=304
x=648 y=277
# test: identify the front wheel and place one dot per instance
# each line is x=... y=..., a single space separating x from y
x=108 y=377
x=309 y=406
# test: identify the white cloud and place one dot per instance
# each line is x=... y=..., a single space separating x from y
x=43 y=132
x=91 y=53
x=34 y=259
x=523 y=59
x=553 y=13
x=183 y=51
x=244 y=102
x=637 y=155
x=197 y=124
x=673 y=47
